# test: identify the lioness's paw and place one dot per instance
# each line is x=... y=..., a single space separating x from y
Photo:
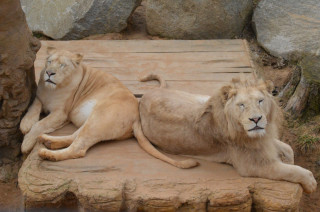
x=46 y=154
x=26 y=124
x=44 y=139
x=27 y=143
x=309 y=184
x=186 y=164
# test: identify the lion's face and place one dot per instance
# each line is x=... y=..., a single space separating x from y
x=248 y=110
x=60 y=67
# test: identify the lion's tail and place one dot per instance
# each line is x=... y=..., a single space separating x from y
x=149 y=148
x=157 y=77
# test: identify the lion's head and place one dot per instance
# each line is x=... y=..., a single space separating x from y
x=60 y=67
x=250 y=109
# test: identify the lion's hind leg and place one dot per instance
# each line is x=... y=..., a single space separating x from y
x=56 y=142
x=111 y=125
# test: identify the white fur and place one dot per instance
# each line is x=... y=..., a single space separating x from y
x=202 y=98
x=81 y=114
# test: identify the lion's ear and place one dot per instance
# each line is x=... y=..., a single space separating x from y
x=226 y=92
x=269 y=86
x=78 y=58
x=51 y=50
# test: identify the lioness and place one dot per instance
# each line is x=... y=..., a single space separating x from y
x=237 y=125
x=94 y=101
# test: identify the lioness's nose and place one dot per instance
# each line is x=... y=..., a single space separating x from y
x=50 y=73
x=256 y=119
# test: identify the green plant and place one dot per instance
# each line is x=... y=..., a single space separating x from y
x=307 y=143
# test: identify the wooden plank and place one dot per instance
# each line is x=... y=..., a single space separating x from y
x=158 y=46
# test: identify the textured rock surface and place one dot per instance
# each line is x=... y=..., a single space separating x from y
x=193 y=19
x=288 y=27
x=75 y=19
x=304 y=88
x=120 y=175
x=17 y=82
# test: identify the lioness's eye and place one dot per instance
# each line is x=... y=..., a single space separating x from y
x=62 y=65
x=241 y=106
x=260 y=101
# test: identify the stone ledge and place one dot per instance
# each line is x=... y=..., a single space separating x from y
x=119 y=175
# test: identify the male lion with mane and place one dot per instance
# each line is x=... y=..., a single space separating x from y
x=238 y=125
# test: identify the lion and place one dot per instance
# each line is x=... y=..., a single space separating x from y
x=97 y=103
x=237 y=125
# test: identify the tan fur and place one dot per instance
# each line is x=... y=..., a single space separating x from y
x=220 y=130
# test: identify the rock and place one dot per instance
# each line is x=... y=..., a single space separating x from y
x=119 y=175
x=288 y=28
x=193 y=19
x=304 y=88
x=18 y=50
x=75 y=19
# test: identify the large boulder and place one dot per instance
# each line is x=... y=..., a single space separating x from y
x=288 y=28
x=75 y=19
x=193 y=19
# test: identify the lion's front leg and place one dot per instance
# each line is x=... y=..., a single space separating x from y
x=53 y=121
x=285 y=151
x=31 y=117
x=288 y=172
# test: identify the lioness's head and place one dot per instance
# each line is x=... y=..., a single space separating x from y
x=60 y=67
x=249 y=107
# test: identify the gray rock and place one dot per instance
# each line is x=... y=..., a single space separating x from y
x=75 y=19
x=194 y=19
x=288 y=28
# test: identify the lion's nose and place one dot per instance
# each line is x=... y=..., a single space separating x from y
x=50 y=73
x=256 y=119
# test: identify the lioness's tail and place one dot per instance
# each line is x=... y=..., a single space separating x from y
x=149 y=148
x=151 y=76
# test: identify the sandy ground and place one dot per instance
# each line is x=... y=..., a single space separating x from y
x=270 y=67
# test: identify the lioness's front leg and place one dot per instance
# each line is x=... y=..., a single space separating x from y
x=53 y=121
x=285 y=150
x=31 y=117
x=281 y=171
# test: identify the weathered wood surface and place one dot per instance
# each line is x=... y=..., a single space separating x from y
x=193 y=66
x=119 y=175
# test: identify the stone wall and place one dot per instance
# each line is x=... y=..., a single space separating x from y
x=17 y=82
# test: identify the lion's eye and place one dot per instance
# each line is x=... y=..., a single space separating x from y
x=49 y=61
x=260 y=101
x=241 y=106
x=62 y=65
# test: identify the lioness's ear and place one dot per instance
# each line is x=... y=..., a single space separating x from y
x=51 y=50
x=78 y=58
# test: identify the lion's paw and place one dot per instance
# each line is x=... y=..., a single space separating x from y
x=309 y=183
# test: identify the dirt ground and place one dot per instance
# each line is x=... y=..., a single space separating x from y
x=10 y=197
x=271 y=68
